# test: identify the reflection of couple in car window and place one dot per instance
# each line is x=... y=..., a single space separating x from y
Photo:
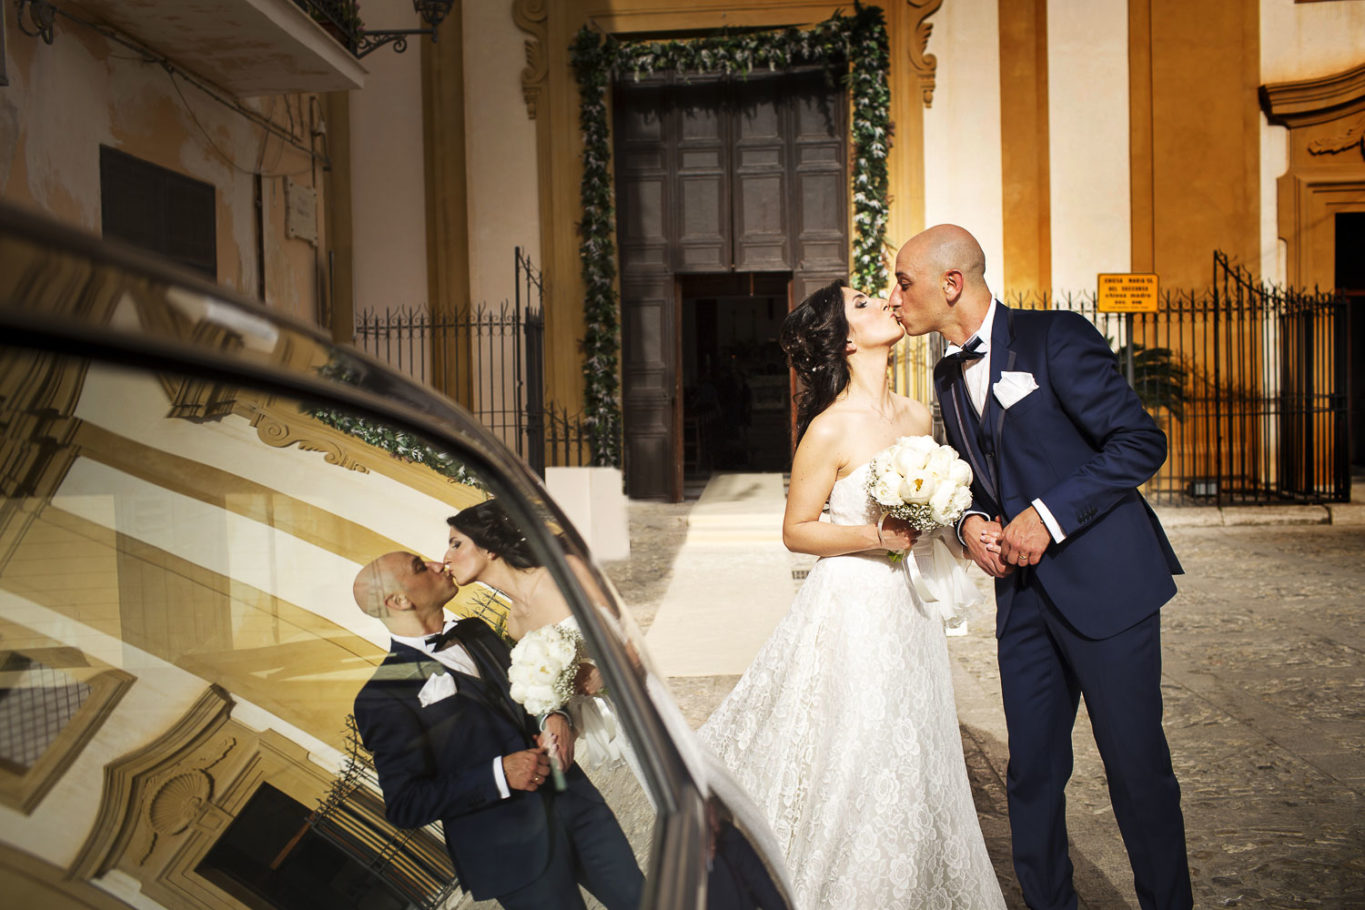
x=451 y=744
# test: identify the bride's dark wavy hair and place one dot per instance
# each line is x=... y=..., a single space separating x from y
x=489 y=527
x=814 y=336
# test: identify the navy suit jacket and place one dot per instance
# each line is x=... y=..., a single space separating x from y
x=436 y=763
x=1082 y=443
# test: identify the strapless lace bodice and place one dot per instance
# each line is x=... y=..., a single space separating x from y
x=849 y=503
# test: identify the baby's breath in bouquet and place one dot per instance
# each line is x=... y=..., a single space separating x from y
x=920 y=482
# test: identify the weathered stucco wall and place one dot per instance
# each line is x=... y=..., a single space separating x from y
x=67 y=99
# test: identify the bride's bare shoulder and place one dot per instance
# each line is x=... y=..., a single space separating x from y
x=825 y=441
x=833 y=424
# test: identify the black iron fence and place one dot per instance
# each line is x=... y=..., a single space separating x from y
x=412 y=866
x=1247 y=380
x=339 y=18
x=489 y=359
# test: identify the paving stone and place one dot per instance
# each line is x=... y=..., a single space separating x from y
x=1264 y=689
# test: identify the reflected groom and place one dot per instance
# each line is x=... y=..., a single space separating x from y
x=451 y=745
x=1059 y=444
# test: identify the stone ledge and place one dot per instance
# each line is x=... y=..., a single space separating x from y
x=1234 y=516
x=1347 y=513
x=1190 y=516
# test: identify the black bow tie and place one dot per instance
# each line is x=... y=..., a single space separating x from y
x=442 y=640
x=969 y=353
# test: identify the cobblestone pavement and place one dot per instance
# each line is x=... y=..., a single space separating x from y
x=1264 y=682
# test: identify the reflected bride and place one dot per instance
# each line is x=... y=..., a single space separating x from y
x=485 y=546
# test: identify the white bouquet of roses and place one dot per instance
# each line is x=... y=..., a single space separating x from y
x=927 y=485
x=921 y=482
x=544 y=667
x=543 y=674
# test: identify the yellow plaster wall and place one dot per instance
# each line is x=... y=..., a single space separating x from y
x=1303 y=41
x=1205 y=138
x=500 y=149
x=963 y=130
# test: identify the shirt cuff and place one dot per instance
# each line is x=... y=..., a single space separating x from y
x=500 y=778
x=962 y=521
x=1052 y=527
x=542 y=718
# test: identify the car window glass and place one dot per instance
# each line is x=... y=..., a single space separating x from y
x=181 y=647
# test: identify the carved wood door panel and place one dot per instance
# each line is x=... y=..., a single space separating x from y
x=715 y=176
x=647 y=173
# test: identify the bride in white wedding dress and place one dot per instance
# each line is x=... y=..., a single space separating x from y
x=844 y=730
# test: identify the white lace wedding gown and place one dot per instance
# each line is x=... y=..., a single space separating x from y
x=844 y=731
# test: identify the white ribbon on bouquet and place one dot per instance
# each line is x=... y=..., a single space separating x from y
x=939 y=577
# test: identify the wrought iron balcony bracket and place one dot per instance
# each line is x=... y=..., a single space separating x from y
x=41 y=15
x=370 y=41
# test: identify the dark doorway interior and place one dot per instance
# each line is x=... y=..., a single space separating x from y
x=736 y=390
x=270 y=859
x=1350 y=281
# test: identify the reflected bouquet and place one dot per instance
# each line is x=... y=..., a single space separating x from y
x=921 y=482
x=544 y=667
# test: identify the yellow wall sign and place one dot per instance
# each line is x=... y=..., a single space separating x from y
x=1128 y=293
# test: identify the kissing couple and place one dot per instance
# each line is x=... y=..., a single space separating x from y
x=844 y=728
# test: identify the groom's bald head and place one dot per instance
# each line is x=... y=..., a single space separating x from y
x=944 y=247
x=941 y=283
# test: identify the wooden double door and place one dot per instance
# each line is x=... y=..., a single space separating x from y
x=715 y=177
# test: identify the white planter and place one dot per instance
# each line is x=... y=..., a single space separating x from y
x=595 y=501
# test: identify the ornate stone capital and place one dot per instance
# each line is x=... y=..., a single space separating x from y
x=531 y=17
x=1333 y=145
x=281 y=430
x=924 y=64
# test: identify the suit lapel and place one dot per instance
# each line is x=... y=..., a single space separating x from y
x=954 y=404
x=493 y=664
x=1002 y=360
x=409 y=664
x=411 y=668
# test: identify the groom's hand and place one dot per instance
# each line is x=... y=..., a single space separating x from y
x=981 y=537
x=1024 y=539
x=527 y=769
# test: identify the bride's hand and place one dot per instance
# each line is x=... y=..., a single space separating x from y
x=588 y=681
x=896 y=534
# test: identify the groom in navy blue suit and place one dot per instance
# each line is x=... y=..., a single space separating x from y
x=1058 y=443
x=451 y=745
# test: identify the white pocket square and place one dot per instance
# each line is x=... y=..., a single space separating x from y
x=1012 y=387
x=440 y=686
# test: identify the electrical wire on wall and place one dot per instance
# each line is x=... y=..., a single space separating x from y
x=175 y=72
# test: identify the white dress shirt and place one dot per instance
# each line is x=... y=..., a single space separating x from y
x=455 y=657
x=976 y=376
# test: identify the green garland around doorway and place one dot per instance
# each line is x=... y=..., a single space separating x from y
x=854 y=46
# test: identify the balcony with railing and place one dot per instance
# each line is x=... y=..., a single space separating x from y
x=248 y=47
